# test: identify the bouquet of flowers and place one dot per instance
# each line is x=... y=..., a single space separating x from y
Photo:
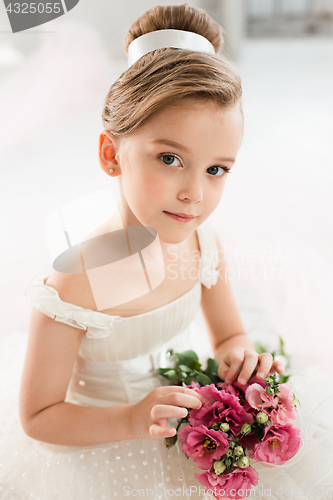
x=236 y=423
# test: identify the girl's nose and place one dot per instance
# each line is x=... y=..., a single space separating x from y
x=191 y=190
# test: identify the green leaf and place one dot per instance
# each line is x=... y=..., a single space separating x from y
x=204 y=380
x=211 y=371
x=283 y=378
x=281 y=346
x=194 y=364
x=259 y=432
x=190 y=378
x=184 y=368
x=212 y=367
x=162 y=371
x=172 y=375
x=186 y=357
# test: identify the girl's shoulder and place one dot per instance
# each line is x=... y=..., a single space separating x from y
x=67 y=298
x=72 y=288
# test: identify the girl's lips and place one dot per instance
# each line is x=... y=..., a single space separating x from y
x=179 y=218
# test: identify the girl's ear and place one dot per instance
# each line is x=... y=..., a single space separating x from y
x=107 y=153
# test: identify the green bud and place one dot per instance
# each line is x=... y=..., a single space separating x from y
x=261 y=417
x=216 y=427
x=170 y=441
x=224 y=427
x=228 y=453
x=228 y=462
x=269 y=390
x=295 y=401
x=269 y=380
x=246 y=428
x=232 y=444
x=219 y=466
x=243 y=462
x=238 y=451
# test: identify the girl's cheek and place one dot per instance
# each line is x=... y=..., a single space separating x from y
x=156 y=186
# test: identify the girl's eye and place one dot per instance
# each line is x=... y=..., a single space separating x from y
x=217 y=173
x=170 y=159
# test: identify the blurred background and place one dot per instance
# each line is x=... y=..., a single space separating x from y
x=275 y=216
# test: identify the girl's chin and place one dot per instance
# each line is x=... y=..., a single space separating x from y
x=173 y=237
x=171 y=232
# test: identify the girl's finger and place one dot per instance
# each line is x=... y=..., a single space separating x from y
x=157 y=431
x=182 y=399
x=265 y=364
x=236 y=363
x=277 y=366
x=169 y=389
x=249 y=365
x=167 y=411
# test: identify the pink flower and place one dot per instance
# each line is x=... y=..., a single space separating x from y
x=231 y=485
x=234 y=413
x=206 y=414
x=220 y=406
x=238 y=389
x=278 y=445
x=210 y=393
x=259 y=399
x=248 y=442
x=203 y=445
x=278 y=406
x=193 y=385
x=285 y=413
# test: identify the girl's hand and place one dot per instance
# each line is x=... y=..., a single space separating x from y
x=149 y=417
x=244 y=363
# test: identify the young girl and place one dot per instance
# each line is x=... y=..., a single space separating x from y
x=93 y=412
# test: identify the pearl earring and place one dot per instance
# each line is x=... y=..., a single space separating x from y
x=111 y=170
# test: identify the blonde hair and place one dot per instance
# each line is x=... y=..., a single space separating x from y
x=170 y=76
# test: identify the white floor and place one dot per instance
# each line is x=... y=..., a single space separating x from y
x=275 y=215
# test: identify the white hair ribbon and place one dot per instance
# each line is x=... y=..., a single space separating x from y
x=177 y=39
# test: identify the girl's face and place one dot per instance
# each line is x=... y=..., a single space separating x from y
x=176 y=162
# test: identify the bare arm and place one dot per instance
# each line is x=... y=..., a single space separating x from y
x=219 y=308
x=232 y=348
x=44 y=413
x=69 y=424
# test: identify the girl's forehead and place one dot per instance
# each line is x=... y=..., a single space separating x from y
x=192 y=114
x=191 y=128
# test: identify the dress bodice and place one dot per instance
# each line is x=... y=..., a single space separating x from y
x=131 y=347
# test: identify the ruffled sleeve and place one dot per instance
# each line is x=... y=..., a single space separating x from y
x=46 y=299
x=208 y=274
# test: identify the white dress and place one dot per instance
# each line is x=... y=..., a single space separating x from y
x=116 y=364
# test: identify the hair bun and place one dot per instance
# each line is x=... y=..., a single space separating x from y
x=168 y=76
x=178 y=17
